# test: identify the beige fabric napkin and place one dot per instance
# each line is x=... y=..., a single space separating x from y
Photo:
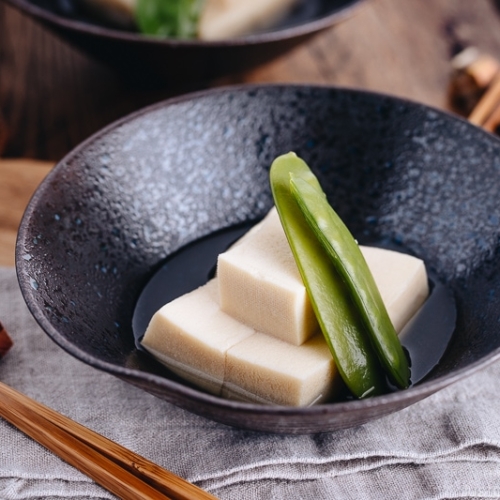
x=447 y=446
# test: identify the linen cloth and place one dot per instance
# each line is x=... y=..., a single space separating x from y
x=447 y=446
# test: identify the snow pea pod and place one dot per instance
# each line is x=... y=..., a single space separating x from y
x=343 y=250
x=337 y=315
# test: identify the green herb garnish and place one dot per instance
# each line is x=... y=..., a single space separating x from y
x=169 y=18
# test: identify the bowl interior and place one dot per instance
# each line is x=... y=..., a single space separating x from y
x=398 y=173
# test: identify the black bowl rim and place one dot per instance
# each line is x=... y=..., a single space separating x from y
x=253 y=39
x=406 y=397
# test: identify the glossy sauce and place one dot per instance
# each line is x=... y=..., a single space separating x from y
x=425 y=338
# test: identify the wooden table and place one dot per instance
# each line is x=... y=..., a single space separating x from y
x=52 y=97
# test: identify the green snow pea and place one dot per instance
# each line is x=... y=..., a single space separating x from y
x=343 y=250
x=337 y=315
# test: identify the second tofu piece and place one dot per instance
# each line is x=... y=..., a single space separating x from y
x=263 y=369
x=231 y=18
x=401 y=280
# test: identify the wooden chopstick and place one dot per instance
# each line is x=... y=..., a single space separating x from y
x=492 y=123
x=102 y=470
x=121 y=471
x=483 y=112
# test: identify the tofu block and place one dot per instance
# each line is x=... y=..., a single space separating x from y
x=401 y=280
x=205 y=346
x=191 y=336
x=230 y=18
x=260 y=285
x=263 y=369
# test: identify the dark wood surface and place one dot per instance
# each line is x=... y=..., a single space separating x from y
x=18 y=180
x=52 y=96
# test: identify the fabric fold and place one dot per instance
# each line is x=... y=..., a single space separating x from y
x=446 y=446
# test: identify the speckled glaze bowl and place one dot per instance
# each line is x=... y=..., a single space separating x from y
x=151 y=60
x=399 y=173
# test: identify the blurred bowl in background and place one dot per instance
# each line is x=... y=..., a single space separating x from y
x=175 y=62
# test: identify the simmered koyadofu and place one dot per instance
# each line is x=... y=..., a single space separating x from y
x=252 y=333
x=203 y=19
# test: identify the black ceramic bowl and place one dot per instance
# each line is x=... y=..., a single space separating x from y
x=149 y=59
x=399 y=173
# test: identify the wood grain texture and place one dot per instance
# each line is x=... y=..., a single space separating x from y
x=18 y=181
x=401 y=48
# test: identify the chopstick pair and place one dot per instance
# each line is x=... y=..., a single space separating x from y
x=121 y=471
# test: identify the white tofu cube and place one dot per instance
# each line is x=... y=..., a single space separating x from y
x=191 y=336
x=230 y=18
x=260 y=285
x=401 y=280
x=267 y=370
